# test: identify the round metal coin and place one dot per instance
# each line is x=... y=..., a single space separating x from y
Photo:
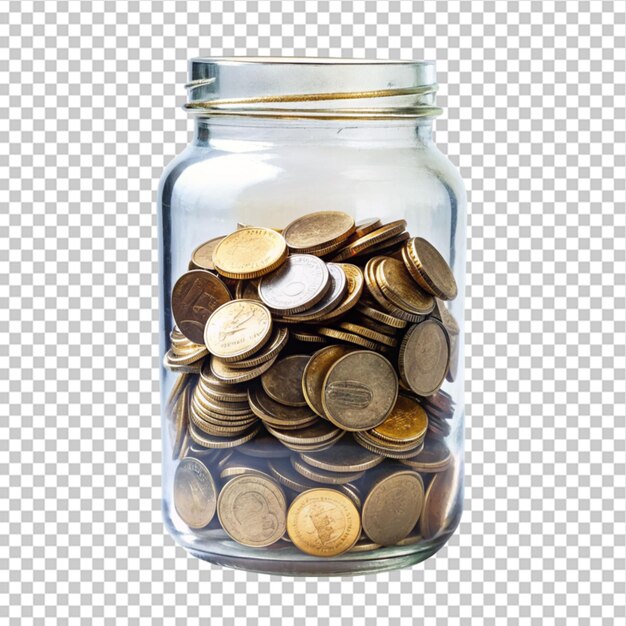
x=318 y=230
x=194 y=493
x=283 y=381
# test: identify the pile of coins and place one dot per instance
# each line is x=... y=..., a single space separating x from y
x=308 y=407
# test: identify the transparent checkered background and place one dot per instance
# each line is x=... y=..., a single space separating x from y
x=534 y=97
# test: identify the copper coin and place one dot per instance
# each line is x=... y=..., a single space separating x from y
x=298 y=284
x=360 y=390
x=237 y=329
x=430 y=269
x=400 y=492
x=424 y=357
x=195 y=495
x=315 y=372
x=202 y=256
x=196 y=295
x=317 y=230
x=283 y=381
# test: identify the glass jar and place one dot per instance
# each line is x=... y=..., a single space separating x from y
x=350 y=462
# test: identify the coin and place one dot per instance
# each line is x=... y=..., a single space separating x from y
x=202 y=256
x=363 y=227
x=363 y=440
x=323 y=476
x=401 y=492
x=298 y=284
x=283 y=381
x=441 y=503
x=360 y=390
x=250 y=253
x=247 y=290
x=181 y=421
x=319 y=431
x=252 y=510
x=307 y=337
x=407 y=422
x=346 y=456
x=226 y=374
x=215 y=441
x=318 y=230
x=368 y=333
x=429 y=268
x=264 y=446
x=342 y=335
x=370 y=240
x=356 y=282
x=237 y=329
x=195 y=494
x=271 y=349
x=388 y=247
x=315 y=372
x=435 y=457
x=380 y=316
x=396 y=283
x=196 y=295
x=330 y=301
x=283 y=471
x=277 y=414
x=424 y=356
x=323 y=522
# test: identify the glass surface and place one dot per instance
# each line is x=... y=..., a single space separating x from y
x=266 y=172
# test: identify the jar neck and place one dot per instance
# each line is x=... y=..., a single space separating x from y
x=217 y=132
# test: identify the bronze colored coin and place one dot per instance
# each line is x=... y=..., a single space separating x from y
x=434 y=458
x=380 y=316
x=388 y=247
x=445 y=317
x=453 y=367
x=270 y=350
x=396 y=283
x=407 y=422
x=401 y=492
x=226 y=374
x=341 y=335
x=368 y=333
x=252 y=510
x=318 y=230
x=368 y=322
x=391 y=446
x=378 y=295
x=195 y=495
x=237 y=329
x=247 y=290
x=424 y=357
x=332 y=299
x=191 y=368
x=202 y=256
x=310 y=447
x=173 y=360
x=319 y=431
x=360 y=390
x=177 y=388
x=440 y=503
x=346 y=456
x=196 y=295
x=323 y=476
x=217 y=389
x=364 y=227
x=250 y=253
x=283 y=381
x=323 y=522
x=298 y=284
x=180 y=423
x=356 y=282
x=362 y=440
x=277 y=414
x=315 y=372
x=212 y=441
x=430 y=269
x=308 y=337
x=286 y=475
x=370 y=240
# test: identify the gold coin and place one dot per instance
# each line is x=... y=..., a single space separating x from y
x=407 y=422
x=396 y=283
x=389 y=247
x=247 y=290
x=362 y=440
x=360 y=390
x=345 y=456
x=221 y=370
x=191 y=368
x=429 y=268
x=277 y=414
x=212 y=441
x=319 y=431
x=202 y=256
x=380 y=316
x=366 y=226
x=270 y=350
x=323 y=522
x=370 y=240
x=298 y=284
x=318 y=230
x=195 y=495
x=252 y=509
x=174 y=359
x=323 y=476
x=349 y=337
x=368 y=333
x=356 y=282
x=196 y=295
x=307 y=337
x=237 y=329
x=424 y=356
x=315 y=372
x=283 y=381
x=401 y=492
x=250 y=253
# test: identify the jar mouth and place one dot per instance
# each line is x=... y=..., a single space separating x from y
x=311 y=87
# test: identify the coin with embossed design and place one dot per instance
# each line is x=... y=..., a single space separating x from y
x=323 y=522
x=196 y=295
x=195 y=495
x=360 y=390
x=202 y=256
x=316 y=231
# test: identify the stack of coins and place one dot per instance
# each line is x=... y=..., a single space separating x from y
x=308 y=406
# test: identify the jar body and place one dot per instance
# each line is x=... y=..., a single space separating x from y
x=268 y=173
